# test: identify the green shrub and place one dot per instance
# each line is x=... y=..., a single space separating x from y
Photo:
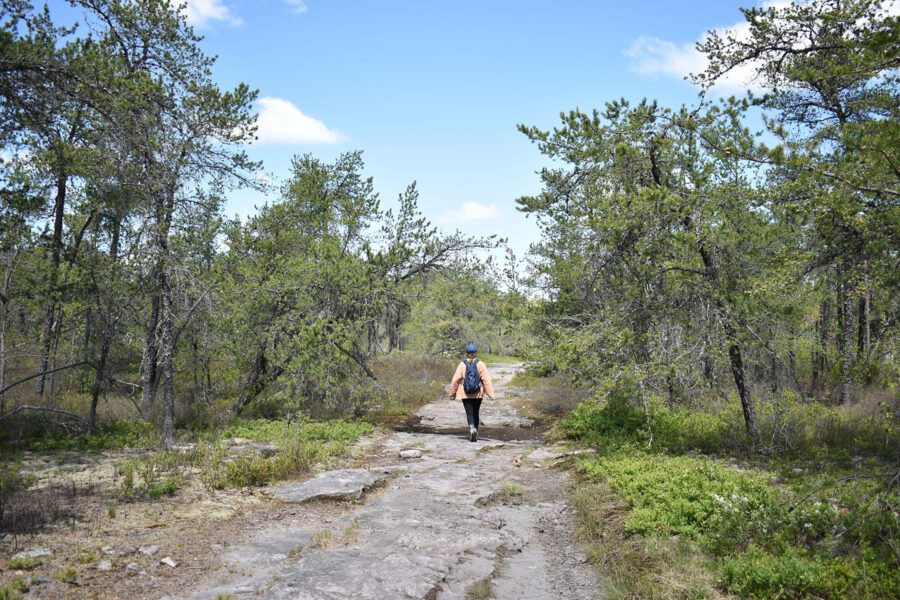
x=791 y=574
x=67 y=575
x=112 y=436
x=611 y=421
x=25 y=563
x=697 y=498
x=167 y=487
x=300 y=448
x=14 y=591
x=248 y=471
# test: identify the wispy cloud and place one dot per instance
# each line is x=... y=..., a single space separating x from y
x=471 y=211
x=296 y=6
x=655 y=57
x=200 y=13
x=281 y=122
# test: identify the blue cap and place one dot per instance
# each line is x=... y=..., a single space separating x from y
x=471 y=348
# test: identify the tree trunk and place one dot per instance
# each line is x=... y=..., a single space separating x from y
x=256 y=381
x=737 y=371
x=735 y=357
x=846 y=339
x=167 y=358
x=106 y=334
x=820 y=357
x=4 y=320
x=50 y=326
x=149 y=375
x=98 y=382
x=3 y=358
x=864 y=336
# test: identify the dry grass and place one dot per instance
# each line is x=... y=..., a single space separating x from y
x=407 y=382
x=481 y=589
x=552 y=397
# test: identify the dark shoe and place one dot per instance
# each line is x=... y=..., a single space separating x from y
x=473 y=434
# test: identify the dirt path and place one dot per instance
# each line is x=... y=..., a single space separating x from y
x=454 y=519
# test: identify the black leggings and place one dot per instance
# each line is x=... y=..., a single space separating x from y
x=472 y=406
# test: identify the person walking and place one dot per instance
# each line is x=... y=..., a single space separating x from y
x=470 y=383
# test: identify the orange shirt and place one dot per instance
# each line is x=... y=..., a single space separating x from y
x=456 y=388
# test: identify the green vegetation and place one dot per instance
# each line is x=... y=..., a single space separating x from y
x=25 y=563
x=794 y=524
x=512 y=490
x=109 y=436
x=726 y=300
x=67 y=575
x=481 y=589
x=299 y=447
x=14 y=591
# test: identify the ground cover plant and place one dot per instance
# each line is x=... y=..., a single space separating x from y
x=814 y=515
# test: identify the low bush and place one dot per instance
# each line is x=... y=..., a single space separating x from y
x=771 y=541
x=110 y=436
x=300 y=447
x=697 y=498
x=791 y=573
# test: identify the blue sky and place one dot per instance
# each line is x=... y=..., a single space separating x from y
x=432 y=91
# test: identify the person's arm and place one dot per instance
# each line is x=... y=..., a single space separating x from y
x=486 y=380
x=457 y=379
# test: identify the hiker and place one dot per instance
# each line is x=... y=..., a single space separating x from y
x=470 y=383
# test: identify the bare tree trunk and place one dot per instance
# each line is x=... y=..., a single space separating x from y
x=194 y=367
x=167 y=358
x=50 y=326
x=98 y=382
x=149 y=376
x=737 y=371
x=255 y=380
x=4 y=320
x=846 y=339
x=820 y=357
x=864 y=336
x=106 y=333
x=735 y=357
x=3 y=358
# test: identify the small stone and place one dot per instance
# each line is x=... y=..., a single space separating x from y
x=118 y=550
x=41 y=580
x=169 y=561
x=149 y=550
x=134 y=568
x=36 y=553
x=104 y=565
x=410 y=453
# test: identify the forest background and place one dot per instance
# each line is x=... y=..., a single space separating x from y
x=718 y=278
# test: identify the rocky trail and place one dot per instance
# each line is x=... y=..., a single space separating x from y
x=431 y=516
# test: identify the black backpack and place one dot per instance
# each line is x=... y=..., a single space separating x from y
x=472 y=380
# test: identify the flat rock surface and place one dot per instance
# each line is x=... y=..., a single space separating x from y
x=461 y=513
x=346 y=484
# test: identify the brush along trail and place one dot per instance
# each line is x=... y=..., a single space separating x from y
x=430 y=515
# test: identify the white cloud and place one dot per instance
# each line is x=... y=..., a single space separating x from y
x=200 y=13
x=652 y=56
x=280 y=122
x=296 y=6
x=471 y=211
